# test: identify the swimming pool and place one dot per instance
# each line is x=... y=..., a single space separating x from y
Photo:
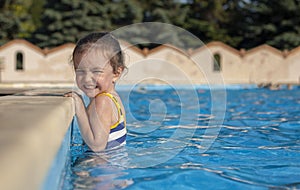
x=256 y=147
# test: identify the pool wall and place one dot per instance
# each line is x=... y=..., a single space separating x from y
x=34 y=139
x=185 y=87
x=55 y=174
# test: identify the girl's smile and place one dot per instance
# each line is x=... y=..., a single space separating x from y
x=94 y=74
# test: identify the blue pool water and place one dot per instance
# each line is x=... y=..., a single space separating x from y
x=171 y=143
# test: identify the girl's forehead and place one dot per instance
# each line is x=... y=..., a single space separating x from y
x=91 y=59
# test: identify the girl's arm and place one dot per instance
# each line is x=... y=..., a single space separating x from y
x=95 y=121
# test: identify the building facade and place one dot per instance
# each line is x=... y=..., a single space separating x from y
x=23 y=63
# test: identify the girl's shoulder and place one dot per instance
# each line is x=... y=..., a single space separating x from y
x=113 y=98
x=103 y=99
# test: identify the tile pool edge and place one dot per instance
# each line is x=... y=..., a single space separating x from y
x=122 y=87
x=126 y=87
x=56 y=170
x=31 y=134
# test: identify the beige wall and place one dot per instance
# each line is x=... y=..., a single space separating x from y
x=39 y=66
x=266 y=64
x=164 y=64
x=293 y=68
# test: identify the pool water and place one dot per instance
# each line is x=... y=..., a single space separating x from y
x=256 y=147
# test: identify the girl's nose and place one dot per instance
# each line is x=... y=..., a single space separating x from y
x=88 y=77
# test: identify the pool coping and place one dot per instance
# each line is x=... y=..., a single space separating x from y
x=33 y=127
x=125 y=87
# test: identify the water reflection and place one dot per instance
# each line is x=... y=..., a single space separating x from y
x=102 y=170
x=258 y=147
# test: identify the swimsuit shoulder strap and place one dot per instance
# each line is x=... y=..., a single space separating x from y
x=121 y=117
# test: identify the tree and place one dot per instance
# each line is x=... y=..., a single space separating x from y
x=153 y=11
x=239 y=23
x=276 y=23
x=209 y=20
x=15 y=20
x=68 y=20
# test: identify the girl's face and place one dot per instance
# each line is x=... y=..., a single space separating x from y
x=94 y=74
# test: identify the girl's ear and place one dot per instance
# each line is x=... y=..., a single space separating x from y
x=117 y=74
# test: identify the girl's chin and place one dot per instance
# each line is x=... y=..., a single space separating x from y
x=91 y=93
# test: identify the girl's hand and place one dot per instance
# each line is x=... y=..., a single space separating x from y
x=72 y=94
x=77 y=100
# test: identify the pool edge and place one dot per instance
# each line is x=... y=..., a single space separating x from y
x=53 y=179
x=33 y=128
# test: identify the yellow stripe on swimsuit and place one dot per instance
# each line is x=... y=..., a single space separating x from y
x=117 y=134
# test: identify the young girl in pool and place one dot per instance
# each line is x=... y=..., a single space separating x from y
x=98 y=63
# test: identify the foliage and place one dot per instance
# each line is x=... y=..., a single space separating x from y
x=68 y=20
x=15 y=19
x=239 y=23
x=153 y=35
x=276 y=23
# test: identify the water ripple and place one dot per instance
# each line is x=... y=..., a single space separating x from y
x=258 y=146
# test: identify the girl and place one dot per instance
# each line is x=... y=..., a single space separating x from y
x=98 y=63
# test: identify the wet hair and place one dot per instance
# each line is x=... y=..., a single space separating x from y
x=106 y=43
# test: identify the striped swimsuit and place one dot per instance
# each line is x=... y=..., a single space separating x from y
x=117 y=134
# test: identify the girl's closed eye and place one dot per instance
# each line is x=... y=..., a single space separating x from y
x=79 y=71
x=97 y=71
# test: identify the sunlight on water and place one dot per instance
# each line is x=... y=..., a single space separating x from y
x=258 y=146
